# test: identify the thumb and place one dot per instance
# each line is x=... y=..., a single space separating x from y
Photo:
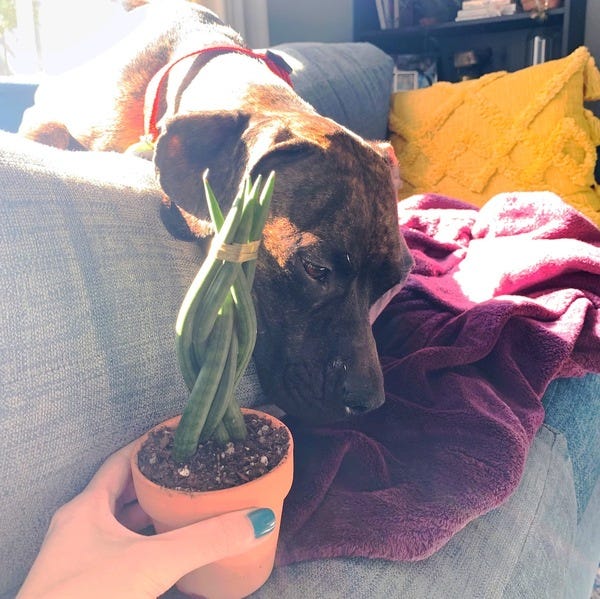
x=180 y=551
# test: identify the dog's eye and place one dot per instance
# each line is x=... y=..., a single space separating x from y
x=316 y=272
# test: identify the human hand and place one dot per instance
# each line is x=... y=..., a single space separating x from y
x=92 y=549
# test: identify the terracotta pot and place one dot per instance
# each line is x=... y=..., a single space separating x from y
x=234 y=577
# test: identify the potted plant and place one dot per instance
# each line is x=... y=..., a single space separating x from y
x=216 y=457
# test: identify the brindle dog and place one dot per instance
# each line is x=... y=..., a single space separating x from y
x=331 y=244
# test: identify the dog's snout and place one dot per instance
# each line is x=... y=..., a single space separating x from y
x=361 y=402
x=356 y=410
x=357 y=396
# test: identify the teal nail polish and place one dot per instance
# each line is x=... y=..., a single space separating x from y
x=263 y=521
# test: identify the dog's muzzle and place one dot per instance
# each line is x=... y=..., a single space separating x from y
x=356 y=395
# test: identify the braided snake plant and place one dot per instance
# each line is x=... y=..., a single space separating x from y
x=216 y=325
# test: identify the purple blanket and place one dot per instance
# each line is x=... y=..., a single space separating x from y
x=502 y=300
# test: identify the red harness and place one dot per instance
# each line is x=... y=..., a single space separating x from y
x=272 y=60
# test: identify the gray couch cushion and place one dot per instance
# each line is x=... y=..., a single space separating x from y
x=523 y=550
x=90 y=285
x=348 y=82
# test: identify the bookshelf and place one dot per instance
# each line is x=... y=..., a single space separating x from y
x=507 y=37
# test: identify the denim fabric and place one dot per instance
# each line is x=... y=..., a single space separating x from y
x=573 y=407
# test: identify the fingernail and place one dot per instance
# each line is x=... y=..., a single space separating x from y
x=263 y=521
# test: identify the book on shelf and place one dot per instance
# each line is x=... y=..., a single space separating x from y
x=382 y=14
x=393 y=14
x=485 y=9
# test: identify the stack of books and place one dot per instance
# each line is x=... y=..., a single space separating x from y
x=484 y=9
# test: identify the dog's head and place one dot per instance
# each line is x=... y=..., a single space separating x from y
x=331 y=247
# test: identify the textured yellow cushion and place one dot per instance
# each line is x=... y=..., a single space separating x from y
x=522 y=131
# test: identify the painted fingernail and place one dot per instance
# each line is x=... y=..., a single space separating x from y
x=263 y=521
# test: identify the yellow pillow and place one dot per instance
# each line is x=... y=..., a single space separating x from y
x=504 y=132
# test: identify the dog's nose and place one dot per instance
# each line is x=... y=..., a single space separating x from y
x=355 y=410
x=357 y=396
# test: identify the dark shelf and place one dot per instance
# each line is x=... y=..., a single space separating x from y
x=519 y=20
x=507 y=38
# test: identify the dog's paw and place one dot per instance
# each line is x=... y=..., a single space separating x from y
x=49 y=133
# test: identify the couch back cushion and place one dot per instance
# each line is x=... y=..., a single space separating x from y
x=90 y=285
x=347 y=82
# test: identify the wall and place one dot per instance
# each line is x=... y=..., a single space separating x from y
x=310 y=21
x=592 y=40
x=592 y=26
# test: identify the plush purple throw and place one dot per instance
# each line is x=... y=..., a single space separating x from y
x=502 y=300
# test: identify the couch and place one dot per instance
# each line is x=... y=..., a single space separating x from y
x=90 y=282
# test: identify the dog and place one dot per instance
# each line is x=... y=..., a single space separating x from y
x=331 y=244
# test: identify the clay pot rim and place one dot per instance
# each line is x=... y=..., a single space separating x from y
x=186 y=492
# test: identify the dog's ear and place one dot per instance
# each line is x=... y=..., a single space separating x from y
x=190 y=144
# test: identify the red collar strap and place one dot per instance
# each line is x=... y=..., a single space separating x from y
x=275 y=62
